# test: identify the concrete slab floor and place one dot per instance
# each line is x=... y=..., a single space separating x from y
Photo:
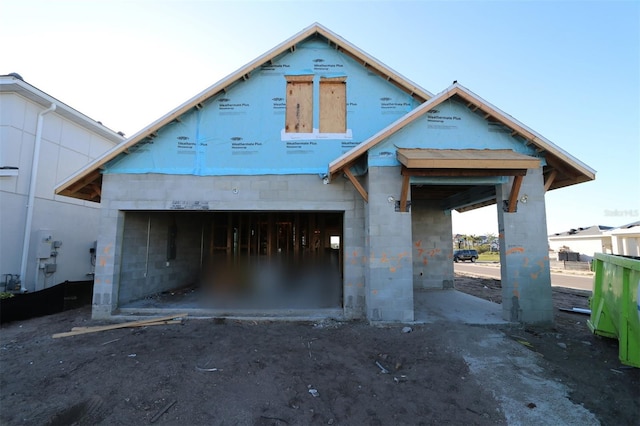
x=432 y=306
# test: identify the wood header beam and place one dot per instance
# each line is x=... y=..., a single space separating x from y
x=464 y=172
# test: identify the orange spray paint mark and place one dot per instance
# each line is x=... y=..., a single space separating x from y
x=103 y=261
x=418 y=243
x=107 y=249
x=420 y=252
x=374 y=292
x=384 y=258
x=392 y=268
x=534 y=276
x=515 y=250
x=425 y=261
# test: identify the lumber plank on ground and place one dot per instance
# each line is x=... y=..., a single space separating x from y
x=100 y=327
x=140 y=323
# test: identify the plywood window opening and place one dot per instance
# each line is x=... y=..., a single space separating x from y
x=333 y=105
x=299 y=112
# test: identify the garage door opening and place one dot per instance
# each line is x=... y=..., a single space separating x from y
x=232 y=260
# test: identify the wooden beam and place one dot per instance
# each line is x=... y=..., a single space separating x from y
x=470 y=197
x=356 y=183
x=513 y=196
x=95 y=174
x=404 y=194
x=115 y=326
x=549 y=180
x=464 y=172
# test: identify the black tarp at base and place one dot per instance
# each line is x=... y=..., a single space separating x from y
x=61 y=297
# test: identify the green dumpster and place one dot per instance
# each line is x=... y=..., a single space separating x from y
x=615 y=309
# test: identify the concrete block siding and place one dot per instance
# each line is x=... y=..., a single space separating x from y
x=134 y=194
x=432 y=249
x=524 y=258
x=389 y=286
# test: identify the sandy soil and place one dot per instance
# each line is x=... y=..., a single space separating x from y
x=223 y=372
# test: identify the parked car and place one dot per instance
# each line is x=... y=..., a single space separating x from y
x=471 y=255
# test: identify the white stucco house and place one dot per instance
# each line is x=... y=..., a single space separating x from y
x=585 y=241
x=45 y=239
x=625 y=239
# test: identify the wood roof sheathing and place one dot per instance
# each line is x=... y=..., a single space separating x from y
x=315 y=29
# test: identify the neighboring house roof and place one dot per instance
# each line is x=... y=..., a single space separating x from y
x=13 y=83
x=630 y=229
x=562 y=169
x=589 y=232
x=90 y=174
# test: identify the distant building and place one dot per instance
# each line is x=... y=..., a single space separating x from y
x=585 y=241
x=45 y=238
x=625 y=240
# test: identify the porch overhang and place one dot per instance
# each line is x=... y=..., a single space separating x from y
x=464 y=163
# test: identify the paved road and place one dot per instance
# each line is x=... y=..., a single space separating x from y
x=580 y=282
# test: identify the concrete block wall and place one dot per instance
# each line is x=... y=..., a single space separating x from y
x=389 y=284
x=154 y=192
x=524 y=256
x=152 y=272
x=107 y=273
x=432 y=249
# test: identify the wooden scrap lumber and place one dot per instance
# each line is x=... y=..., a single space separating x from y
x=170 y=319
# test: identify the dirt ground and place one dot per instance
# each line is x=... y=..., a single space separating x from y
x=226 y=372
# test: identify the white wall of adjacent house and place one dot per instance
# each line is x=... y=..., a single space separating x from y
x=626 y=243
x=586 y=246
x=65 y=148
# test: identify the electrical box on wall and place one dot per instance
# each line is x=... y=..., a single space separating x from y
x=44 y=239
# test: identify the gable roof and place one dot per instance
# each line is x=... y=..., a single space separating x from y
x=562 y=169
x=90 y=175
x=590 y=231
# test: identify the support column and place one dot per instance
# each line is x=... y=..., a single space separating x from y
x=107 y=272
x=432 y=249
x=524 y=253
x=389 y=284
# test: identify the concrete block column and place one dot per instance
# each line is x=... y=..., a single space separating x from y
x=107 y=272
x=389 y=283
x=432 y=248
x=524 y=253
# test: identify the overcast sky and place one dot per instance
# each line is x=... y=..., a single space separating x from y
x=568 y=70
